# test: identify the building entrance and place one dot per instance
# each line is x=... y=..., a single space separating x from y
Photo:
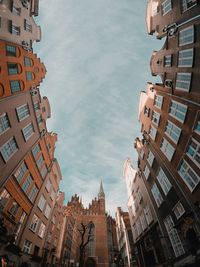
x=90 y=263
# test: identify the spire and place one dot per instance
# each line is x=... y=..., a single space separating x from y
x=101 y=194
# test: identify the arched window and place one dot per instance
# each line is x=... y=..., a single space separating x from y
x=91 y=244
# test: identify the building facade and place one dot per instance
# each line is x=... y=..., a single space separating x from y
x=94 y=221
x=17 y=22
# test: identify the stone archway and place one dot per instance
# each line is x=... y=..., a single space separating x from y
x=90 y=262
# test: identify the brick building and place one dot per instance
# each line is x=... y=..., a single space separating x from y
x=95 y=218
x=168 y=157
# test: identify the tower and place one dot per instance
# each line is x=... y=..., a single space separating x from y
x=101 y=199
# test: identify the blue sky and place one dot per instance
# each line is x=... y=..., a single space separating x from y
x=97 y=58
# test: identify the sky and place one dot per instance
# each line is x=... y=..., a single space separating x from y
x=97 y=58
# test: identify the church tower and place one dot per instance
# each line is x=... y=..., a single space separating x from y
x=101 y=199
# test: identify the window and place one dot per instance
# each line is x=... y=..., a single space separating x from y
x=183 y=81
x=27 y=246
x=153 y=132
x=193 y=151
x=166 y=7
x=19 y=224
x=47 y=211
x=41 y=230
x=15 y=86
x=15 y=29
x=33 y=193
x=36 y=106
x=150 y=158
x=40 y=161
x=164 y=181
x=186 y=36
x=146 y=172
x=172 y=131
x=178 y=210
x=4 y=123
x=157 y=195
x=143 y=221
x=12 y=68
x=23 y=112
x=9 y=149
x=148 y=214
x=14 y=208
x=185 y=58
x=27 y=26
x=39 y=119
x=29 y=76
x=53 y=195
x=27 y=183
x=27 y=62
x=135 y=234
x=44 y=171
x=167 y=149
x=16 y=10
x=155 y=118
x=34 y=223
x=187 y=4
x=28 y=131
x=177 y=111
x=4 y=197
x=41 y=202
x=173 y=236
x=138 y=226
x=36 y=150
x=146 y=111
x=188 y=175
x=11 y=51
x=158 y=101
x=197 y=126
x=19 y=174
x=168 y=61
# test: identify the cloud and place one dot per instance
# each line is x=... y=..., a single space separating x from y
x=97 y=55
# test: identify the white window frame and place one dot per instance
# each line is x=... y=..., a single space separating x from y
x=173 y=236
x=172 y=131
x=27 y=246
x=34 y=223
x=178 y=210
x=157 y=195
x=41 y=230
x=158 y=101
x=183 y=81
x=8 y=149
x=146 y=172
x=148 y=215
x=195 y=151
x=167 y=149
x=33 y=193
x=143 y=221
x=47 y=211
x=153 y=132
x=150 y=158
x=185 y=58
x=164 y=181
x=42 y=202
x=183 y=40
x=166 y=7
x=188 y=174
x=184 y=4
x=4 y=123
x=23 y=112
x=177 y=108
x=155 y=117
x=28 y=131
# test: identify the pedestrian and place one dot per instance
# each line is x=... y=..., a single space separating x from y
x=4 y=260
